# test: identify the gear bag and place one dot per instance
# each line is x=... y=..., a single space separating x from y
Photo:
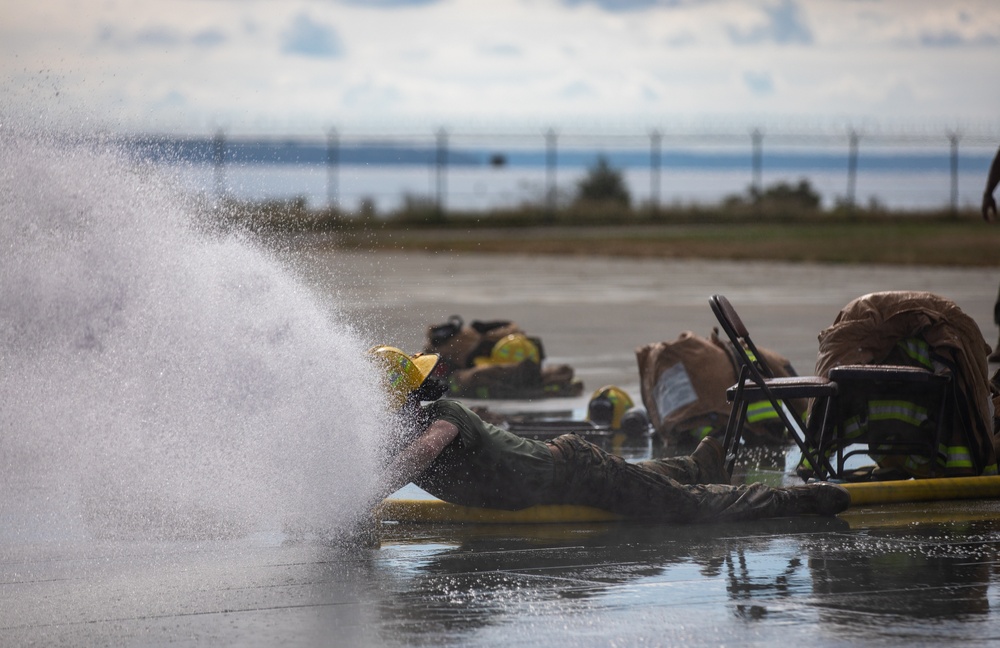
x=683 y=387
x=522 y=380
x=459 y=344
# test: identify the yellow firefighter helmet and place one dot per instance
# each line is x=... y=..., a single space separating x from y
x=513 y=349
x=402 y=374
x=607 y=405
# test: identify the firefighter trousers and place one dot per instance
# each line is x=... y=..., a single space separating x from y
x=662 y=490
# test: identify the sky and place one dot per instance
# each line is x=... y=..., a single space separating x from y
x=301 y=66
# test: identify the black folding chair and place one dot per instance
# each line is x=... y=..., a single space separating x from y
x=756 y=382
x=888 y=410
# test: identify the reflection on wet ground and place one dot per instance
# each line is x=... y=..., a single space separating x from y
x=826 y=582
x=893 y=575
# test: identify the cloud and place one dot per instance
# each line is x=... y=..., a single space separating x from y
x=370 y=95
x=389 y=4
x=158 y=37
x=784 y=25
x=502 y=49
x=307 y=37
x=626 y=5
x=951 y=38
x=577 y=90
x=759 y=83
x=209 y=38
x=519 y=59
x=171 y=100
x=683 y=39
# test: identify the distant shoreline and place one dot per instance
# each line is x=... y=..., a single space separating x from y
x=735 y=154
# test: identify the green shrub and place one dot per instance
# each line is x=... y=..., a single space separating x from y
x=780 y=197
x=603 y=184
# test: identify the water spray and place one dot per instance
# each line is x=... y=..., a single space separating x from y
x=157 y=380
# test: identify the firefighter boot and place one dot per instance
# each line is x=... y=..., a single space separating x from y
x=711 y=459
x=822 y=498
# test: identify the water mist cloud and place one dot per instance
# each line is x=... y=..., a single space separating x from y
x=158 y=382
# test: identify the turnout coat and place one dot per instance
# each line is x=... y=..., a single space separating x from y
x=868 y=330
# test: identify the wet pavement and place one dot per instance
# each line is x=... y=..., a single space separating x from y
x=916 y=574
x=913 y=575
x=592 y=313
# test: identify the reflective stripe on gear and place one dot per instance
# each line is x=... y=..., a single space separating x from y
x=918 y=350
x=906 y=413
x=700 y=433
x=759 y=411
x=958 y=457
x=897 y=410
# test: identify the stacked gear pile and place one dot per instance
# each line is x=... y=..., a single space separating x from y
x=684 y=385
x=923 y=330
x=496 y=359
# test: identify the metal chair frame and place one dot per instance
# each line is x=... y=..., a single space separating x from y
x=756 y=382
x=861 y=381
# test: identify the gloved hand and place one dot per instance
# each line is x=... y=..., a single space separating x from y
x=989 y=206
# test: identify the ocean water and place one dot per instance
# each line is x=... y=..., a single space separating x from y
x=912 y=187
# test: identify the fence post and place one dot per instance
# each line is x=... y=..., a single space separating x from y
x=953 y=137
x=655 y=139
x=550 y=172
x=219 y=163
x=757 y=139
x=852 y=168
x=442 y=164
x=332 y=170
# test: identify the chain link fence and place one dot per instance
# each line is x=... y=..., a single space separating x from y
x=478 y=170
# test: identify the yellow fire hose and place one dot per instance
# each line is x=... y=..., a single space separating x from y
x=428 y=511
x=438 y=512
x=924 y=490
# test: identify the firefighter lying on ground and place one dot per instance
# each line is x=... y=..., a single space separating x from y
x=451 y=453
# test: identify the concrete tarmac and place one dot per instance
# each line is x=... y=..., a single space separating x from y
x=592 y=313
x=892 y=575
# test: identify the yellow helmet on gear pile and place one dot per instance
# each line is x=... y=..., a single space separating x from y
x=513 y=349
x=402 y=374
x=608 y=405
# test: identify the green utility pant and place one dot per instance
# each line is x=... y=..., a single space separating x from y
x=662 y=490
